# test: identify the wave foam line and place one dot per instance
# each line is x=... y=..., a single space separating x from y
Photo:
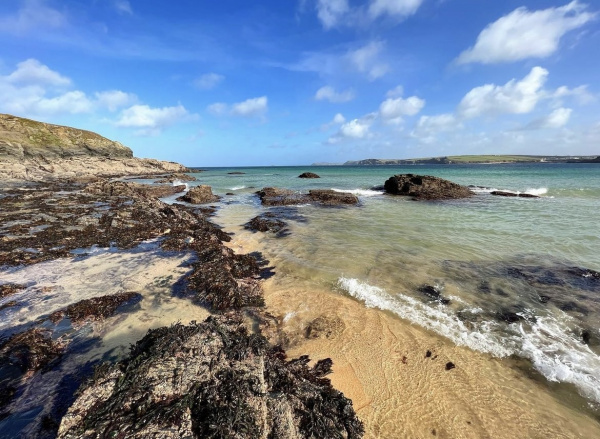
x=547 y=343
x=361 y=192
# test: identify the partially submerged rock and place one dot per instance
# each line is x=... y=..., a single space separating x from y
x=308 y=175
x=199 y=195
x=266 y=222
x=325 y=327
x=434 y=293
x=425 y=187
x=513 y=194
x=96 y=308
x=9 y=289
x=212 y=379
x=272 y=196
x=172 y=178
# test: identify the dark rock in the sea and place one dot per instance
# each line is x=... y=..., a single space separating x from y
x=325 y=327
x=176 y=177
x=273 y=196
x=379 y=187
x=212 y=379
x=236 y=173
x=199 y=195
x=266 y=222
x=10 y=289
x=544 y=298
x=308 y=175
x=7 y=305
x=330 y=197
x=513 y=194
x=229 y=193
x=509 y=316
x=425 y=187
x=450 y=365
x=434 y=293
x=96 y=308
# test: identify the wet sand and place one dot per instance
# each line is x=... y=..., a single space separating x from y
x=381 y=362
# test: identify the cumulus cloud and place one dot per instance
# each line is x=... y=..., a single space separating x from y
x=366 y=59
x=208 y=81
x=526 y=34
x=355 y=129
x=330 y=12
x=328 y=93
x=395 y=92
x=34 y=72
x=254 y=107
x=115 y=99
x=338 y=119
x=33 y=15
x=428 y=127
x=149 y=120
x=394 y=8
x=392 y=110
x=557 y=119
x=515 y=97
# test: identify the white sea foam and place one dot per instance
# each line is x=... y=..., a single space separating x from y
x=548 y=343
x=486 y=190
x=538 y=191
x=237 y=188
x=179 y=182
x=360 y=192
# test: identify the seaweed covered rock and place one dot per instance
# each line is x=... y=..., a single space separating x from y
x=172 y=178
x=513 y=194
x=9 y=289
x=266 y=222
x=330 y=197
x=210 y=380
x=199 y=195
x=96 y=308
x=425 y=187
x=308 y=175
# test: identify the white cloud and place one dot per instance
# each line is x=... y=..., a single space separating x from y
x=523 y=34
x=33 y=15
x=254 y=107
x=515 y=97
x=338 y=119
x=123 y=7
x=557 y=119
x=251 y=107
x=115 y=99
x=149 y=120
x=395 y=8
x=355 y=129
x=392 y=110
x=73 y=102
x=328 y=93
x=428 y=127
x=331 y=11
x=365 y=59
x=208 y=81
x=581 y=95
x=33 y=72
x=395 y=92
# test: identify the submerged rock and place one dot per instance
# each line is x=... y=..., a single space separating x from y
x=272 y=196
x=425 y=187
x=325 y=327
x=10 y=289
x=266 y=222
x=513 y=194
x=96 y=308
x=212 y=379
x=199 y=195
x=434 y=293
x=308 y=175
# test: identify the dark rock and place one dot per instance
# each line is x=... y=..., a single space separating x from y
x=176 y=177
x=425 y=187
x=212 y=379
x=273 y=196
x=325 y=327
x=428 y=354
x=509 y=316
x=513 y=194
x=266 y=223
x=434 y=293
x=308 y=175
x=96 y=308
x=330 y=197
x=229 y=193
x=236 y=173
x=199 y=195
x=450 y=365
x=10 y=289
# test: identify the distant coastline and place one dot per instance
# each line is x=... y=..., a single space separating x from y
x=470 y=159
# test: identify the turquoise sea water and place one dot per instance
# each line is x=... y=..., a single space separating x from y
x=515 y=277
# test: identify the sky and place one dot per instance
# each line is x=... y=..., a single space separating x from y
x=293 y=82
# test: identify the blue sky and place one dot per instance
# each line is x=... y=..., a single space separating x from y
x=233 y=83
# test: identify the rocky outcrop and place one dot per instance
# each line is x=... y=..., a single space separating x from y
x=272 y=196
x=37 y=151
x=425 y=187
x=267 y=222
x=212 y=379
x=176 y=177
x=308 y=175
x=199 y=195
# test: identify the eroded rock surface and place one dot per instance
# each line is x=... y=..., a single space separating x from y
x=425 y=187
x=272 y=196
x=212 y=379
x=199 y=195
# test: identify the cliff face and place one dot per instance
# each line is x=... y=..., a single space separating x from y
x=36 y=151
x=24 y=138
